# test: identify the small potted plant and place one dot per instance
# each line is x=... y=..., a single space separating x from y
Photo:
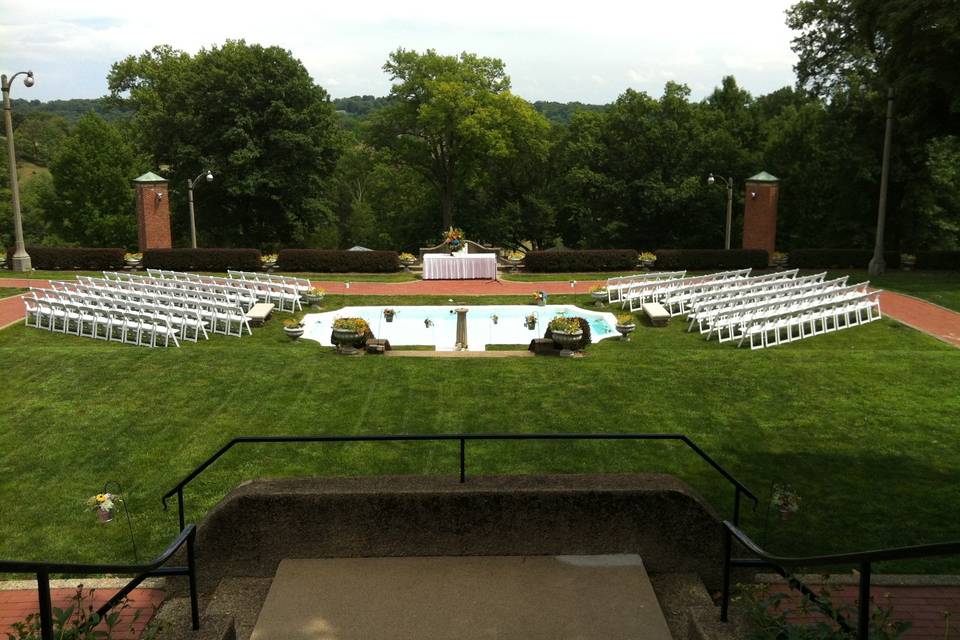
x=540 y=298
x=786 y=500
x=388 y=314
x=314 y=296
x=348 y=334
x=780 y=260
x=103 y=504
x=626 y=324
x=530 y=321
x=566 y=332
x=647 y=259
x=293 y=328
x=407 y=260
x=599 y=294
x=132 y=260
x=495 y=318
x=268 y=262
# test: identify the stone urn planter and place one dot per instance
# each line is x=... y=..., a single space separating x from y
x=568 y=341
x=346 y=341
x=625 y=329
x=312 y=298
x=600 y=297
x=132 y=264
x=294 y=331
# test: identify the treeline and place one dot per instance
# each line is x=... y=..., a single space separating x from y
x=453 y=145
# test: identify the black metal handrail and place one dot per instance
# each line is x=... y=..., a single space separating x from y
x=152 y=569
x=863 y=560
x=462 y=438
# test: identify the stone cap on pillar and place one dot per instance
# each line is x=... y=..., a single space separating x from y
x=148 y=177
x=763 y=176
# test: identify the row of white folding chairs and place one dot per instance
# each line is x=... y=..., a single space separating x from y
x=617 y=285
x=679 y=300
x=639 y=294
x=284 y=296
x=731 y=324
x=302 y=285
x=732 y=293
x=189 y=322
x=811 y=321
x=172 y=289
x=224 y=317
x=117 y=325
x=242 y=294
x=704 y=312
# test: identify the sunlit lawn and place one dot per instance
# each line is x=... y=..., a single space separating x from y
x=862 y=423
x=6 y=292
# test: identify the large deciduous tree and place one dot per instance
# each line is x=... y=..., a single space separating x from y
x=451 y=117
x=253 y=116
x=92 y=199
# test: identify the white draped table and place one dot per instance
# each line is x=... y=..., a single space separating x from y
x=439 y=266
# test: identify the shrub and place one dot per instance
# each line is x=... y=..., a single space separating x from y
x=589 y=260
x=677 y=259
x=938 y=260
x=89 y=259
x=584 y=341
x=202 y=259
x=323 y=261
x=839 y=258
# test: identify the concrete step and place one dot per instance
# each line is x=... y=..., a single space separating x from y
x=172 y=622
x=462 y=598
x=677 y=593
x=240 y=599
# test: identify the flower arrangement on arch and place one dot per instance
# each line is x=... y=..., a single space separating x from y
x=454 y=238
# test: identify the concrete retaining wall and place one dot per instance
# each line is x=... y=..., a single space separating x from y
x=264 y=521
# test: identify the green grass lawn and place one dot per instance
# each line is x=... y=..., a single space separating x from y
x=862 y=423
x=6 y=292
x=940 y=287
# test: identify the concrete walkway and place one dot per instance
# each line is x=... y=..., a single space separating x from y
x=462 y=598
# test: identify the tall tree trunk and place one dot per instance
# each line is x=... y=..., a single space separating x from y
x=446 y=203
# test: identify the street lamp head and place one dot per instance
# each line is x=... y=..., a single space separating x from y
x=711 y=179
x=209 y=176
x=28 y=81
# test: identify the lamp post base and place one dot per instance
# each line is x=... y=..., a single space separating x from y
x=21 y=263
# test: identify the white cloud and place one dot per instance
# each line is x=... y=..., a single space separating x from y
x=70 y=45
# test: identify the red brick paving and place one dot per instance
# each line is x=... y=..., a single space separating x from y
x=929 y=609
x=16 y=605
x=922 y=315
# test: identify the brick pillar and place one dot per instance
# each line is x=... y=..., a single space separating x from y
x=760 y=212
x=153 y=212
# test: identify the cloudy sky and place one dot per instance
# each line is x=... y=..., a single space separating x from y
x=589 y=51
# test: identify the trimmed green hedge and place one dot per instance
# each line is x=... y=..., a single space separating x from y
x=938 y=260
x=202 y=259
x=66 y=258
x=582 y=261
x=839 y=258
x=323 y=261
x=698 y=259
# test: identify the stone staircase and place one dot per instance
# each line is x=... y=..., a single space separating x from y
x=231 y=612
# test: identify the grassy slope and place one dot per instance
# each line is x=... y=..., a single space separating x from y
x=861 y=423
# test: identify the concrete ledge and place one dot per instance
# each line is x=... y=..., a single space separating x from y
x=655 y=516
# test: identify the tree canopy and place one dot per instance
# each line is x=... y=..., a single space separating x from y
x=250 y=114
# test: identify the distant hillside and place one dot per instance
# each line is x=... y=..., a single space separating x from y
x=561 y=112
x=70 y=110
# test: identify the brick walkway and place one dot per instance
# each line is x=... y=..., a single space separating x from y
x=929 y=609
x=15 y=606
